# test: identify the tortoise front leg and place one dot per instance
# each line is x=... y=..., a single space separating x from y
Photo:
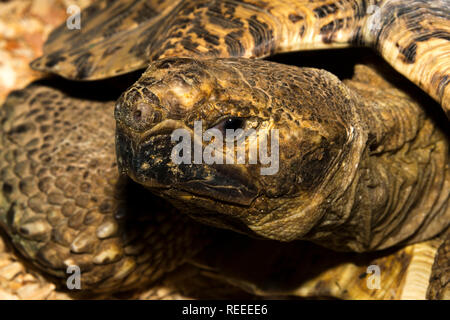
x=63 y=203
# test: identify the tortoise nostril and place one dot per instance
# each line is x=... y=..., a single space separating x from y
x=138 y=110
x=142 y=112
x=137 y=115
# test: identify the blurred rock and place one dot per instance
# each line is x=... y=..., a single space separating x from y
x=24 y=26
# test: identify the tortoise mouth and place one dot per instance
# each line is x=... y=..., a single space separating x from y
x=149 y=163
x=209 y=211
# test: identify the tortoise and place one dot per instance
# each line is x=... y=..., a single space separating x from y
x=363 y=177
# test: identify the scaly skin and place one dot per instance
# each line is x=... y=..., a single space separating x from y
x=361 y=167
x=77 y=228
x=63 y=203
x=392 y=189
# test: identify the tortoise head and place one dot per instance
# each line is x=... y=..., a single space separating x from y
x=249 y=145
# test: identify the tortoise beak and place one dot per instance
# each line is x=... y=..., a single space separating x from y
x=147 y=161
x=138 y=160
x=132 y=157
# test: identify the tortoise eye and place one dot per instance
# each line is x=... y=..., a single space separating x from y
x=231 y=123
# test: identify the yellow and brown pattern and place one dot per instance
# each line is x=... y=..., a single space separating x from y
x=62 y=201
x=120 y=36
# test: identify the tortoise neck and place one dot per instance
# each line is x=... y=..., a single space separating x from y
x=403 y=181
x=400 y=190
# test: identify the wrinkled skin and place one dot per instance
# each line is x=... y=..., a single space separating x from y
x=62 y=202
x=390 y=190
x=360 y=168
